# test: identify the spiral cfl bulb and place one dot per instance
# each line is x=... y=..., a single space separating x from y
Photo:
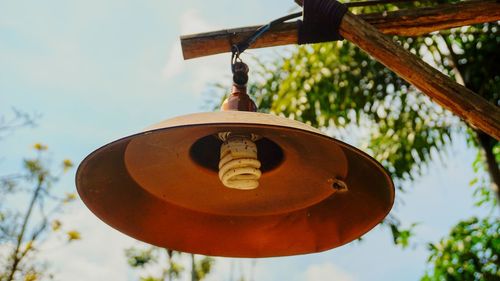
x=238 y=165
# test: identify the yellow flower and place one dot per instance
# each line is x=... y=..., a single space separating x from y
x=69 y=197
x=73 y=235
x=40 y=147
x=67 y=164
x=31 y=277
x=56 y=225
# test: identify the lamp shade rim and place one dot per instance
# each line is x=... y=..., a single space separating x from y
x=111 y=180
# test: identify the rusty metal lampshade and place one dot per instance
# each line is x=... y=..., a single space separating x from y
x=161 y=186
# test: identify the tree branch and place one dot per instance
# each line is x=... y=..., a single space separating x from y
x=16 y=257
x=487 y=143
x=452 y=57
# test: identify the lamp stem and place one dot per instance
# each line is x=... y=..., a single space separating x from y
x=239 y=100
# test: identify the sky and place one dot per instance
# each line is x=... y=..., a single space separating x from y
x=95 y=71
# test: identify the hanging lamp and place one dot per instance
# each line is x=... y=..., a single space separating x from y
x=236 y=183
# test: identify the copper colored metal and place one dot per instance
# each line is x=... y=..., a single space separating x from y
x=161 y=186
x=239 y=100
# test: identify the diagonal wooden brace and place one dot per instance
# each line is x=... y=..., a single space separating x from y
x=464 y=103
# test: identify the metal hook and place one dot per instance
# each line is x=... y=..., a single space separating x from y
x=235 y=57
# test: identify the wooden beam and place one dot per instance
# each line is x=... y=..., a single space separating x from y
x=373 y=2
x=410 y=22
x=464 y=103
x=379 y=2
x=426 y=20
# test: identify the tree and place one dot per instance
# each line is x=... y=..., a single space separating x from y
x=29 y=207
x=169 y=262
x=340 y=89
x=470 y=252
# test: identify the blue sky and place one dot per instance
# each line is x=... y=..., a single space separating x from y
x=100 y=70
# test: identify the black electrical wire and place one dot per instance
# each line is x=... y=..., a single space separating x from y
x=239 y=48
x=241 y=77
x=242 y=46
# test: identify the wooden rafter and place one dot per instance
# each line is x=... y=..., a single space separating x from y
x=410 y=22
x=466 y=104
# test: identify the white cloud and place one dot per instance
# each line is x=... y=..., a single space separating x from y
x=100 y=253
x=190 y=22
x=98 y=256
x=175 y=62
x=326 y=271
x=200 y=71
x=233 y=269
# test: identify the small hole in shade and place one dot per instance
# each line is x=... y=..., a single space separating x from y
x=206 y=153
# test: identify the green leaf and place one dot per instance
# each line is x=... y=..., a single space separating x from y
x=470 y=252
x=139 y=257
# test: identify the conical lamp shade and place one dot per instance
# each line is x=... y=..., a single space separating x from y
x=161 y=186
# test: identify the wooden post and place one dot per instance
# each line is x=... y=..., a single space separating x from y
x=410 y=22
